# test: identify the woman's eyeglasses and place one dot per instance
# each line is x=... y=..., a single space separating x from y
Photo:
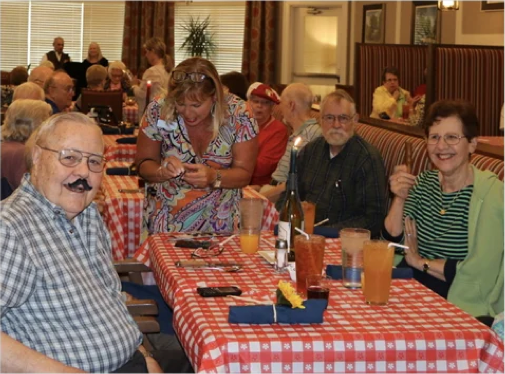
x=181 y=76
x=450 y=139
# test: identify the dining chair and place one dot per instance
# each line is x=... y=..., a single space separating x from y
x=111 y=99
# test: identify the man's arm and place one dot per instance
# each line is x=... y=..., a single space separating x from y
x=18 y=358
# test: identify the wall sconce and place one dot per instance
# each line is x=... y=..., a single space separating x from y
x=448 y=5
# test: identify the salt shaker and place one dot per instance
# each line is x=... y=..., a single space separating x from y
x=281 y=255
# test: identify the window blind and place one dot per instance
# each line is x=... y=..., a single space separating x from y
x=226 y=23
x=28 y=29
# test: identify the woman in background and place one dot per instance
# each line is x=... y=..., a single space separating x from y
x=21 y=119
x=116 y=78
x=453 y=216
x=94 y=56
x=158 y=74
x=196 y=149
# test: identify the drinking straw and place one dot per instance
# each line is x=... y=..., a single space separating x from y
x=321 y=222
x=303 y=233
x=398 y=245
x=227 y=240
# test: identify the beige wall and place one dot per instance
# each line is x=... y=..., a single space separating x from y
x=468 y=25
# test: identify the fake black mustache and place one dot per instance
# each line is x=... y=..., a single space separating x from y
x=80 y=182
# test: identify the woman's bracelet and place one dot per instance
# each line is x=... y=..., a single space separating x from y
x=140 y=164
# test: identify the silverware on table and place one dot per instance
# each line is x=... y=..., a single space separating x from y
x=130 y=190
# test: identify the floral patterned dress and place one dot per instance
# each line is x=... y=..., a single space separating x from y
x=175 y=206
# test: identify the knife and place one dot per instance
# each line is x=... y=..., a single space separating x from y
x=203 y=263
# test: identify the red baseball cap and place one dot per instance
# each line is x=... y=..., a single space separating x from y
x=263 y=90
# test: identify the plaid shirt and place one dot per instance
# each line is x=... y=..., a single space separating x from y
x=60 y=294
x=349 y=189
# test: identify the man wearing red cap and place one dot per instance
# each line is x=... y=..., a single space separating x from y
x=273 y=134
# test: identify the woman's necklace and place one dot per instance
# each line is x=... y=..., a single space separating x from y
x=443 y=210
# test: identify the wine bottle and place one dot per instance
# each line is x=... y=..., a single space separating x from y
x=291 y=214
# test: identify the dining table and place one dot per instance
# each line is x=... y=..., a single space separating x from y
x=131 y=113
x=417 y=331
x=121 y=203
x=115 y=151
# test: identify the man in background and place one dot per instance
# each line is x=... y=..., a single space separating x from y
x=57 y=56
x=59 y=89
x=342 y=173
x=296 y=104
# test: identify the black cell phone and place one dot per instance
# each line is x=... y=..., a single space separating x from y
x=218 y=291
x=191 y=243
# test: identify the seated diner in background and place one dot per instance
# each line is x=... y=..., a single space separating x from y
x=117 y=79
x=21 y=119
x=296 y=104
x=95 y=76
x=390 y=97
x=196 y=149
x=273 y=134
x=59 y=90
x=342 y=173
x=452 y=217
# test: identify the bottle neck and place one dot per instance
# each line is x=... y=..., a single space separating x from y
x=291 y=185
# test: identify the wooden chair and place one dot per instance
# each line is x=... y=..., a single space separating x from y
x=5 y=78
x=112 y=99
x=142 y=310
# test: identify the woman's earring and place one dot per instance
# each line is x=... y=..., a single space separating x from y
x=213 y=109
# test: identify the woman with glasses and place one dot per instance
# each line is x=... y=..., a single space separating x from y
x=451 y=217
x=196 y=149
x=154 y=79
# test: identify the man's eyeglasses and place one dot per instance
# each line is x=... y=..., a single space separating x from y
x=450 y=139
x=390 y=80
x=330 y=119
x=72 y=157
x=180 y=76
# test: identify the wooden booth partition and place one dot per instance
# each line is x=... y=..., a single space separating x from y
x=472 y=73
x=370 y=61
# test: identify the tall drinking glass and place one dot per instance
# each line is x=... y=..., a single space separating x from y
x=378 y=269
x=251 y=214
x=308 y=259
x=352 y=255
x=309 y=215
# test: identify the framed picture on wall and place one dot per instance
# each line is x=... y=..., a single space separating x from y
x=425 y=23
x=373 y=23
x=491 y=5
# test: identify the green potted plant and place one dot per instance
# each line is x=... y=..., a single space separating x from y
x=199 y=40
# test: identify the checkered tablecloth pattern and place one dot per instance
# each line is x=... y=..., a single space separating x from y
x=131 y=113
x=418 y=331
x=122 y=212
x=119 y=152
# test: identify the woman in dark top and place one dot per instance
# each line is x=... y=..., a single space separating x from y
x=94 y=58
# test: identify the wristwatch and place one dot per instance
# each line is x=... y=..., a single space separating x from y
x=426 y=266
x=217 y=182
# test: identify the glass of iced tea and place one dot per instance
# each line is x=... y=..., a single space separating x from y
x=378 y=268
x=309 y=254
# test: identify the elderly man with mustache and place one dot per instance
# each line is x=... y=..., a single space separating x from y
x=342 y=173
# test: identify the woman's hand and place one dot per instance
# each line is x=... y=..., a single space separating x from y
x=199 y=175
x=401 y=181
x=412 y=253
x=171 y=167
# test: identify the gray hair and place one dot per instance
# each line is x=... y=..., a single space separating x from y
x=28 y=90
x=23 y=117
x=116 y=65
x=48 y=127
x=301 y=94
x=337 y=96
x=96 y=75
x=100 y=56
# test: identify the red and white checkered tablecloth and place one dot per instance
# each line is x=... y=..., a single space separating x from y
x=119 y=152
x=122 y=212
x=418 y=331
x=131 y=113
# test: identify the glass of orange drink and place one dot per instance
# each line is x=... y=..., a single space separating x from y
x=251 y=215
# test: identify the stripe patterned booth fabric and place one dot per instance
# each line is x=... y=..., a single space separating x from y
x=371 y=61
x=474 y=74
